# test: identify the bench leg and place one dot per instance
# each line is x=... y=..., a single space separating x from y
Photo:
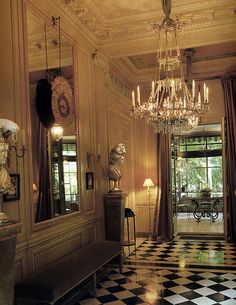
x=93 y=292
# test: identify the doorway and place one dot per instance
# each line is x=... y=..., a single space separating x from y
x=197 y=182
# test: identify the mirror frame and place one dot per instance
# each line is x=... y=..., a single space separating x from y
x=74 y=215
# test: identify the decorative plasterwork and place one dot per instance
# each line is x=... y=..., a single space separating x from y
x=139 y=64
x=101 y=60
x=208 y=67
x=115 y=83
x=88 y=16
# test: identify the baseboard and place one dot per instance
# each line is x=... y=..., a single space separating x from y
x=142 y=234
x=200 y=236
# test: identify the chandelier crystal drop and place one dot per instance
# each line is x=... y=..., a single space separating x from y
x=171 y=107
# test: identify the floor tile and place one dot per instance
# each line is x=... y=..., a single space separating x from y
x=228 y=302
x=125 y=294
x=203 y=300
x=229 y=284
x=117 y=302
x=231 y=293
x=107 y=298
x=155 y=277
x=176 y=299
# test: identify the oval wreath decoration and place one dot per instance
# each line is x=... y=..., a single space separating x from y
x=62 y=101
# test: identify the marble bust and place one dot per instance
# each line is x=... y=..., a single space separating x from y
x=116 y=159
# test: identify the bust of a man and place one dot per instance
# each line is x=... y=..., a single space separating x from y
x=116 y=159
x=3 y=151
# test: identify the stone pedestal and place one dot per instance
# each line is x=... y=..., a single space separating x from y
x=8 y=232
x=114 y=208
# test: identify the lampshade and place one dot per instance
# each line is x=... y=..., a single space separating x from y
x=148 y=182
x=57 y=132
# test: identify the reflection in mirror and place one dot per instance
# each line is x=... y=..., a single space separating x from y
x=64 y=175
x=54 y=161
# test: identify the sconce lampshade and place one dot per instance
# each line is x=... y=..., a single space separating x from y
x=148 y=182
x=57 y=132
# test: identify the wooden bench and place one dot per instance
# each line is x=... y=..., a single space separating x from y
x=52 y=284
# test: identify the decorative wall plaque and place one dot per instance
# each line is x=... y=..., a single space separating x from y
x=62 y=101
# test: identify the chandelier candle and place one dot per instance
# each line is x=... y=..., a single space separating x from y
x=193 y=89
x=133 y=99
x=138 y=95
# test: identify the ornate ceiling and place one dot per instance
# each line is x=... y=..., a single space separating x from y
x=122 y=30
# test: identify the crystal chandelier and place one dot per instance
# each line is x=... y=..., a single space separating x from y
x=171 y=107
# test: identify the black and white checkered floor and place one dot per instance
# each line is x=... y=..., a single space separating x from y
x=177 y=272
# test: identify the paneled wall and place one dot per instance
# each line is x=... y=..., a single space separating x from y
x=102 y=108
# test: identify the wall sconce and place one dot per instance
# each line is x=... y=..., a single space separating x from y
x=96 y=157
x=19 y=153
x=57 y=132
x=22 y=149
x=8 y=132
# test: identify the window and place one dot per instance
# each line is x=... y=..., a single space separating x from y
x=197 y=163
x=64 y=176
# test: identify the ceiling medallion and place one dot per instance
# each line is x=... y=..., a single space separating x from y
x=171 y=107
x=62 y=101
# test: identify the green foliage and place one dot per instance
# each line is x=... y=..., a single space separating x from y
x=199 y=173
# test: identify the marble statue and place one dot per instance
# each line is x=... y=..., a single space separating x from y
x=7 y=129
x=116 y=159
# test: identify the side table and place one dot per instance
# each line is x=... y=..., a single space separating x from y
x=130 y=229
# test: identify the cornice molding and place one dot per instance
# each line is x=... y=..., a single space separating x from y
x=93 y=22
x=209 y=67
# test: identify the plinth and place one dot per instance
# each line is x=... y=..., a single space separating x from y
x=114 y=208
x=8 y=233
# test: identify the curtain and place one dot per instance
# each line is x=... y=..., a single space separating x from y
x=162 y=230
x=228 y=82
x=40 y=94
x=44 y=210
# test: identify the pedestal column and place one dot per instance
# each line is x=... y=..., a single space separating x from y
x=114 y=208
x=8 y=232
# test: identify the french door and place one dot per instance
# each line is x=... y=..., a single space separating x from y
x=197 y=181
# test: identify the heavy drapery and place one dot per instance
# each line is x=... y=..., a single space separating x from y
x=44 y=210
x=162 y=230
x=229 y=88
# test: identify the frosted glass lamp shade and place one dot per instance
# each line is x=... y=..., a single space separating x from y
x=148 y=182
x=57 y=132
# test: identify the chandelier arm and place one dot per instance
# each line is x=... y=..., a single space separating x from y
x=159 y=55
x=166 y=54
x=178 y=54
x=166 y=7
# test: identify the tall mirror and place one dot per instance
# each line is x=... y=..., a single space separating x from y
x=54 y=155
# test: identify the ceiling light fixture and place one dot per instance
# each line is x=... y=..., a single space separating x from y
x=171 y=107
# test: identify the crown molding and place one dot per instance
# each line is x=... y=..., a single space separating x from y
x=207 y=67
x=104 y=30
